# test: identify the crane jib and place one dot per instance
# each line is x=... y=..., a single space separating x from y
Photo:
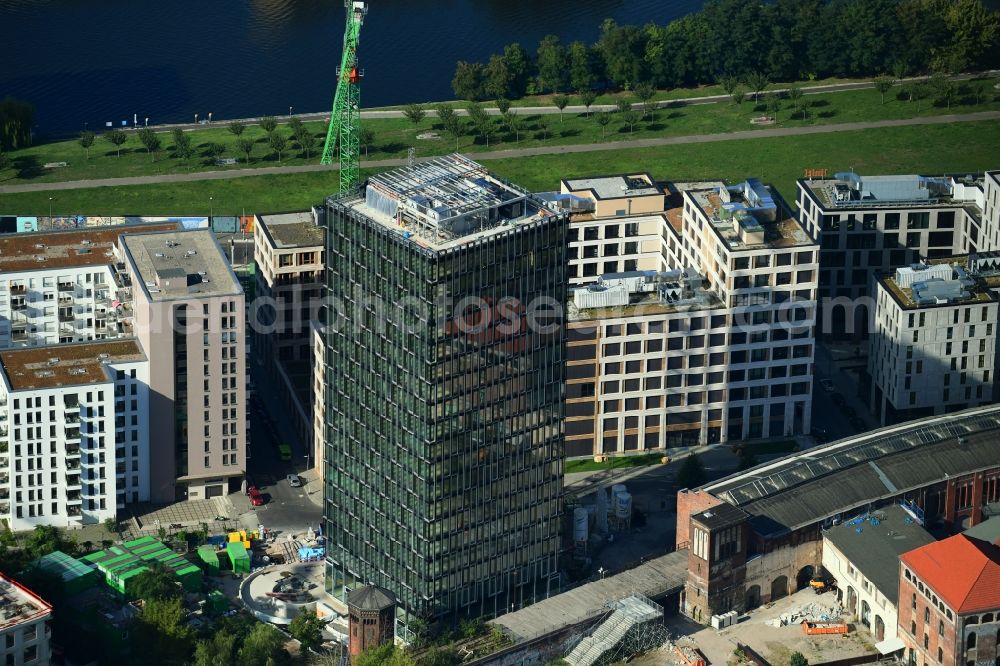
x=345 y=117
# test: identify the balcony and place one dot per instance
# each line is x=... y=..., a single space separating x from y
x=71 y=402
x=19 y=335
x=65 y=299
x=72 y=418
x=65 y=316
x=72 y=433
x=19 y=306
x=72 y=465
x=72 y=481
x=73 y=511
x=18 y=289
x=66 y=287
x=73 y=450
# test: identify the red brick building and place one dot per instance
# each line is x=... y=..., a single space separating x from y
x=949 y=603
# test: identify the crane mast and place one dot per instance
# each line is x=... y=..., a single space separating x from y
x=345 y=120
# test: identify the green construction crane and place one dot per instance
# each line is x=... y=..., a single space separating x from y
x=345 y=120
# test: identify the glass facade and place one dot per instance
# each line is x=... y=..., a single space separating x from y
x=444 y=437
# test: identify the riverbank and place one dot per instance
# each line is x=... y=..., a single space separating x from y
x=393 y=136
x=939 y=148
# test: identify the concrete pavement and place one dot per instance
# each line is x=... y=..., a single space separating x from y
x=512 y=153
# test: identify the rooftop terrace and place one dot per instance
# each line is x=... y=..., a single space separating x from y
x=76 y=364
x=18 y=604
x=444 y=202
x=849 y=190
x=292 y=230
x=180 y=264
x=63 y=249
x=749 y=216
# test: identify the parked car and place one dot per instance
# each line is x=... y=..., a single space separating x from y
x=256 y=498
x=294 y=481
x=827 y=385
x=251 y=489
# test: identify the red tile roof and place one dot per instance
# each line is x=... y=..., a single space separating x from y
x=964 y=572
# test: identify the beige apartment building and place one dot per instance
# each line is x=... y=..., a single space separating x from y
x=719 y=347
x=189 y=317
x=290 y=255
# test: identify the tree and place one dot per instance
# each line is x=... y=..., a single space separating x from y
x=497 y=78
x=623 y=104
x=943 y=89
x=383 y=655
x=278 y=142
x=899 y=71
x=263 y=646
x=623 y=50
x=307 y=142
x=467 y=82
x=516 y=125
x=245 y=145
x=17 y=117
x=560 y=102
x=441 y=656
x=455 y=127
x=798 y=103
x=116 y=138
x=415 y=113
x=308 y=629
x=587 y=98
x=729 y=83
x=45 y=539
x=236 y=128
x=162 y=630
x=552 y=62
x=798 y=659
x=918 y=92
x=483 y=123
x=646 y=93
x=630 y=118
x=86 y=140
x=758 y=82
x=215 y=650
x=503 y=105
x=296 y=126
x=367 y=138
x=603 y=118
x=156 y=582
x=738 y=95
x=445 y=114
x=543 y=127
x=692 y=473
x=150 y=141
x=182 y=149
x=268 y=124
x=215 y=150
x=5 y=161
x=974 y=32
x=581 y=67
x=518 y=64
x=882 y=84
x=773 y=103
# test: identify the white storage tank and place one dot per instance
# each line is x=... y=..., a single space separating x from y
x=581 y=520
x=623 y=505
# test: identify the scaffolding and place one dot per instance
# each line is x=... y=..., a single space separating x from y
x=446 y=198
x=634 y=625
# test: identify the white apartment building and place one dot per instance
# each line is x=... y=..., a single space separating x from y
x=76 y=443
x=719 y=348
x=863 y=558
x=869 y=224
x=24 y=626
x=933 y=347
x=62 y=286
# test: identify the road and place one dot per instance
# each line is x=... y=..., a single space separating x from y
x=512 y=153
x=288 y=509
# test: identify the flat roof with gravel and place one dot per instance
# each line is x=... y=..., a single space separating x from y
x=72 y=364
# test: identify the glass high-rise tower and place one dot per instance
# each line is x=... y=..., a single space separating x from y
x=444 y=362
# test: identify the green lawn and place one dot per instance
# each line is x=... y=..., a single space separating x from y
x=394 y=136
x=615 y=462
x=969 y=146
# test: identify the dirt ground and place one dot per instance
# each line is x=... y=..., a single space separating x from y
x=776 y=644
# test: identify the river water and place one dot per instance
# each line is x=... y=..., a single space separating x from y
x=84 y=64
